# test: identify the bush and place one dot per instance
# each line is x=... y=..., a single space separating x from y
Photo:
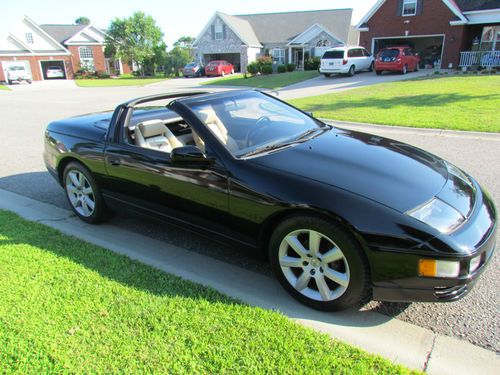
x=290 y=67
x=252 y=68
x=312 y=64
x=102 y=75
x=267 y=69
x=281 y=68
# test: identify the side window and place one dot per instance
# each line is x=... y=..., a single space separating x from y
x=351 y=53
x=365 y=52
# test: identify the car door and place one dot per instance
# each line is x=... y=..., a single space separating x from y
x=147 y=180
x=367 y=58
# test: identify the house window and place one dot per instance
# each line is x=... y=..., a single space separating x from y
x=409 y=7
x=86 y=58
x=29 y=38
x=490 y=38
x=219 y=32
x=279 y=55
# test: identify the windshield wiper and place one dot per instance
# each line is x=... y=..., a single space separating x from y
x=263 y=149
x=307 y=133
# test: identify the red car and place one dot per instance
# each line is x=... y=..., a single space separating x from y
x=396 y=59
x=219 y=68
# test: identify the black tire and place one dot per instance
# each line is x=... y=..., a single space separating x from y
x=372 y=66
x=352 y=71
x=9 y=82
x=417 y=67
x=358 y=289
x=29 y=81
x=378 y=72
x=405 y=70
x=327 y=75
x=100 y=212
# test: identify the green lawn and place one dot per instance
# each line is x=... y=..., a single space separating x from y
x=273 y=81
x=107 y=82
x=67 y=306
x=459 y=103
x=3 y=87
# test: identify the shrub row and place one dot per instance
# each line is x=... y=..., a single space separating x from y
x=85 y=74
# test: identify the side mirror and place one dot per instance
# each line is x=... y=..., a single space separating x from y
x=310 y=114
x=188 y=154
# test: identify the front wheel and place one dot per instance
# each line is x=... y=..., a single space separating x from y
x=83 y=194
x=319 y=263
x=352 y=71
x=223 y=74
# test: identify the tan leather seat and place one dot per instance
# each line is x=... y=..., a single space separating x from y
x=213 y=122
x=155 y=134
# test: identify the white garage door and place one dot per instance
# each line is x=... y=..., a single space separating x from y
x=7 y=64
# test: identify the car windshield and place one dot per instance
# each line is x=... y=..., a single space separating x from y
x=333 y=55
x=190 y=65
x=393 y=52
x=16 y=68
x=251 y=123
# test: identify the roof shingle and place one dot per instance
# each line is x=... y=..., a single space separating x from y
x=61 y=33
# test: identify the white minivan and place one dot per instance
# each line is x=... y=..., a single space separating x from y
x=346 y=60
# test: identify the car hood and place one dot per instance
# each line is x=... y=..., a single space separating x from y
x=390 y=172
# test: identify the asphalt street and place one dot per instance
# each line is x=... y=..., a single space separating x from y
x=26 y=110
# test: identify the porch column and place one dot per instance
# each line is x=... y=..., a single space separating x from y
x=289 y=55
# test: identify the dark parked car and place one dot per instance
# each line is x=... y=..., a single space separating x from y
x=193 y=69
x=344 y=216
x=396 y=59
x=219 y=68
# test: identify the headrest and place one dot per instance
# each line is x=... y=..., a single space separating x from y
x=152 y=128
x=207 y=116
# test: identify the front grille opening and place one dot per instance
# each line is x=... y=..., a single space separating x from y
x=449 y=292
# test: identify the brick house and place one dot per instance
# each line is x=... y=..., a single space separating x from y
x=289 y=37
x=445 y=33
x=68 y=46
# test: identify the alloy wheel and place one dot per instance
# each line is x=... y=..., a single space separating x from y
x=314 y=265
x=80 y=193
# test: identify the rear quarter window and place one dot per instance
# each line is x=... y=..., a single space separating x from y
x=333 y=55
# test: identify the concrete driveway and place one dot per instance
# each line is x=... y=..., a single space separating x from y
x=25 y=113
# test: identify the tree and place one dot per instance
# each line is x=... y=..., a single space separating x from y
x=185 y=42
x=134 y=39
x=82 y=21
x=180 y=55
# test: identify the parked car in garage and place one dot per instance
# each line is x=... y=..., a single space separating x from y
x=18 y=73
x=345 y=60
x=343 y=216
x=55 y=72
x=396 y=59
x=193 y=69
x=219 y=68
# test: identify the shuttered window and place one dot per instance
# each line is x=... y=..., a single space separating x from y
x=219 y=31
x=409 y=7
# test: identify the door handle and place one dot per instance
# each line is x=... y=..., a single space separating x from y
x=114 y=161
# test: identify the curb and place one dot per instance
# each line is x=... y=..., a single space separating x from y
x=361 y=126
x=400 y=342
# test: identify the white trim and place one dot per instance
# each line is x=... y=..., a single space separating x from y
x=403 y=8
x=228 y=24
x=34 y=54
x=45 y=33
x=361 y=29
x=41 y=70
x=379 y=3
x=482 y=11
x=412 y=37
x=17 y=40
x=370 y=13
x=69 y=41
x=310 y=28
x=458 y=23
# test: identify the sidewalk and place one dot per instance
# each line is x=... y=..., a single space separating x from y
x=398 y=341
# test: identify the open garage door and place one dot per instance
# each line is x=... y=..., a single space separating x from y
x=233 y=58
x=53 y=69
x=429 y=48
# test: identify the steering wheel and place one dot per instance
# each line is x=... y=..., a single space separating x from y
x=261 y=124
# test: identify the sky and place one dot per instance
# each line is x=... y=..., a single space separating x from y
x=176 y=18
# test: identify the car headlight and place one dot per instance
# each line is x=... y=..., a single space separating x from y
x=438 y=214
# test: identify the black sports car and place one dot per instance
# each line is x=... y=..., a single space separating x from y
x=344 y=216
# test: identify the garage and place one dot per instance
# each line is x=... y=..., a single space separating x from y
x=5 y=65
x=233 y=58
x=53 y=69
x=429 y=48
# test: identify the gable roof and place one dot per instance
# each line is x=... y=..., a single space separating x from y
x=474 y=5
x=311 y=33
x=62 y=32
x=285 y=26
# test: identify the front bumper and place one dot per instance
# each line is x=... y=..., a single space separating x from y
x=435 y=289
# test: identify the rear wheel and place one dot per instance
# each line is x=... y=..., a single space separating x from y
x=83 y=194
x=9 y=82
x=319 y=263
x=223 y=74
x=372 y=66
x=352 y=71
x=327 y=74
x=405 y=69
x=378 y=72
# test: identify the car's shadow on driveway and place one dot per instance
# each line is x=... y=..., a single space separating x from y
x=42 y=187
